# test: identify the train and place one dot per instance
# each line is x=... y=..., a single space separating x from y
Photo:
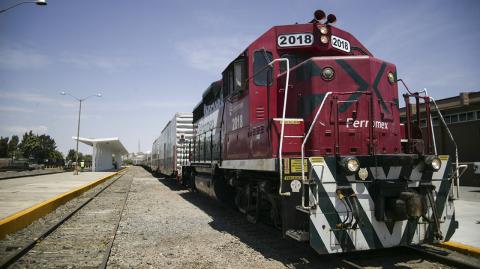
x=303 y=132
x=169 y=151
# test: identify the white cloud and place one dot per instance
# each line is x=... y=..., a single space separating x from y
x=26 y=97
x=214 y=53
x=83 y=61
x=21 y=58
x=11 y=109
x=37 y=129
x=35 y=98
x=172 y=104
x=75 y=116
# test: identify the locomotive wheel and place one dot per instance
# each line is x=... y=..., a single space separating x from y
x=241 y=199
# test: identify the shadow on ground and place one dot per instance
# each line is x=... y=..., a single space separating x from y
x=269 y=242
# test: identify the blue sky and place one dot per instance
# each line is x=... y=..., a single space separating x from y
x=150 y=58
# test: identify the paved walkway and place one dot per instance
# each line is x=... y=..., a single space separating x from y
x=467 y=212
x=15 y=174
x=17 y=194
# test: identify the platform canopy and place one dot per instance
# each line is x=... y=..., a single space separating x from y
x=103 y=151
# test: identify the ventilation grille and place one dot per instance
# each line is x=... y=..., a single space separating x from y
x=260 y=113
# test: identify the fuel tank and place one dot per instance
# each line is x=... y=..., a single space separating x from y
x=214 y=186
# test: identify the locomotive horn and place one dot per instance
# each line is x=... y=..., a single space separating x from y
x=318 y=15
x=331 y=18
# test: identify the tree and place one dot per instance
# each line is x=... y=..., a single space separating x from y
x=37 y=147
x=47 y=146
x=71 y=156
x=29 y=145
x=56 y=157
x=13 y=146
x=3 y=147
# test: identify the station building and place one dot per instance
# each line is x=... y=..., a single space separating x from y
x=107 y=152
x=462 y=116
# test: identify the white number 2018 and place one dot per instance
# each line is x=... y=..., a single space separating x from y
x=237 y=122
x=295 y=40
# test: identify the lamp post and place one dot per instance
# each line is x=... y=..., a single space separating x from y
x=80 y=100
x=38 y=2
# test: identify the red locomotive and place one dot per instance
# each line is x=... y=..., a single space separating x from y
x=303 y=131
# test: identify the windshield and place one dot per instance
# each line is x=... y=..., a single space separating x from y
x=293 y=60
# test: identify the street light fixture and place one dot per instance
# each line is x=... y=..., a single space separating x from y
x=80 y=100
x=38 y=2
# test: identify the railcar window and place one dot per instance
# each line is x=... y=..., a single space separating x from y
x=454 y=118
x=447 y=119
x=470 y=116
x=260 y=60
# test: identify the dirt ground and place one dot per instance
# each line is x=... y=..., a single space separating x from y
x=164 y=226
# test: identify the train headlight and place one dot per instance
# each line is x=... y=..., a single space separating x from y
x=434 y=162
x=351 y=164
x=324 y=39
x=391 y=78
x=323 y=29
x=328 y=73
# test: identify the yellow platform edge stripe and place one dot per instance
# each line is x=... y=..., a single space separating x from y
x=25 y=217
x=459 y=247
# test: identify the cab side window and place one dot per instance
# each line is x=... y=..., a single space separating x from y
x=234 y=77
x=238 y=75
x=263 y=74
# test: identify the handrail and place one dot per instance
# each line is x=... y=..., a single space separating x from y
x=280 y=148
x=310 y=130
x=431 y=124
x=305 y=140
x=457 y=167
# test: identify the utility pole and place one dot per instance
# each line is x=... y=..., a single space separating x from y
x=80 y=100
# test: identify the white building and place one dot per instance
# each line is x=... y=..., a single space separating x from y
x=104 y=149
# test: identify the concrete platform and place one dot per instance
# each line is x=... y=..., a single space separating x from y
x=17 y=194
x=467 y=212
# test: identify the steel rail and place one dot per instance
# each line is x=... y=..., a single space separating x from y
x=108 y=250
x=449 y=261
x=25 y=249
x=351 y=264
x=416 y=250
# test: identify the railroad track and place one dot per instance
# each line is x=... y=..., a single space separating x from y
x=425 y=254
x=115 y=193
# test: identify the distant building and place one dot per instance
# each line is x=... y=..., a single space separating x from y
x=462 y=115
x=139 y=158
x=107 y=152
